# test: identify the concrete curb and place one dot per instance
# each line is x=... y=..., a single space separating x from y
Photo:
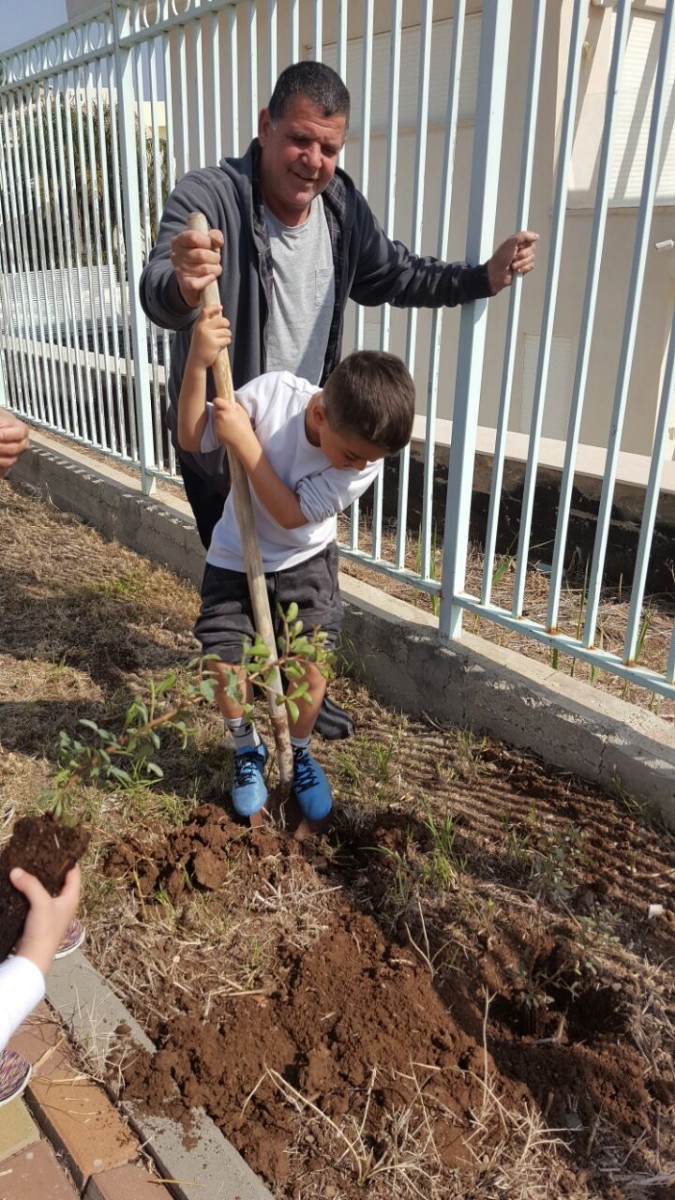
x=569 y=724
x=211 y=1167
x=525 y=703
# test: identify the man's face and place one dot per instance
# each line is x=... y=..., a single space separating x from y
x=299 y=156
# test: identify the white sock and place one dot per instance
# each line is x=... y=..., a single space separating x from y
x=244 y=733
x=300 y=743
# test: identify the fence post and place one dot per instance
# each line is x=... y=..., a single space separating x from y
x=129 y=150
x=3 y=385
x=490 y=103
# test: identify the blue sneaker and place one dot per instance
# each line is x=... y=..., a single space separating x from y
x=310 y=786
x=249 y=791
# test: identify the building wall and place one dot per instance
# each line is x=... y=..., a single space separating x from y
x=659 y=290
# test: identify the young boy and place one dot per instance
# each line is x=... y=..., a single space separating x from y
x=308 y=454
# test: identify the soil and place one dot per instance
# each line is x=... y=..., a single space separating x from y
x=463 y=988
x=48 y=849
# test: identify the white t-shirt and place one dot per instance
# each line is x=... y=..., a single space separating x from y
x=276 y=404
x=22 y=986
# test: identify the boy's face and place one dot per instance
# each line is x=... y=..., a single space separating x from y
x=348 y=451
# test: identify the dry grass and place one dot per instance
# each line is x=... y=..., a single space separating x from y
x=510 y=1154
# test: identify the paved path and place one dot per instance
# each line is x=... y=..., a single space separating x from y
x=66 y=1140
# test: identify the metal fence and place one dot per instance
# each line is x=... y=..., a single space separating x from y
x=458 y=137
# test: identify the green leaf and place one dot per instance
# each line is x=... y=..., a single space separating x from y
x=293 y=710
x=167 y=683
x=120 y=775
x=260 y=650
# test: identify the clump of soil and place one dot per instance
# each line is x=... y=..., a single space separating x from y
x=47 y=849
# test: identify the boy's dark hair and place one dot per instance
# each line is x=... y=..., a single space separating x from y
x=319 y=83
x=371 y=395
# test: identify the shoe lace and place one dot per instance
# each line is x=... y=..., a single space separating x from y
x=246 y=767
x=304 y=771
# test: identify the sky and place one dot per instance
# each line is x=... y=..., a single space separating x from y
x=21 y=22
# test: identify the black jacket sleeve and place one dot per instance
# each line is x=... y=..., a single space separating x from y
x=160 y=295
x=386 y=271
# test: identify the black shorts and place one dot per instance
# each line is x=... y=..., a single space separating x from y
x=226 y=616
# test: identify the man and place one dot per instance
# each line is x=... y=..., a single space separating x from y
x=287 y=266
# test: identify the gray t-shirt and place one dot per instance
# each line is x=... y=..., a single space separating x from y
x=303 y=296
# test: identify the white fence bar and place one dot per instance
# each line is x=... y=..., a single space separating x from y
x=233 y=68
x=272 y=37
x=670 y=669
x=253 y=60
x=20 y=250
x=426 y=536
x=416 y=247
x=633 y=624
x=551 y=294
x=364 y=179
x=44 y=224
x=127 y=413
x=522 y=222
x=588 y=312
x=134 y=257
x=294 y=30
x=495 y=29
x=652 y=164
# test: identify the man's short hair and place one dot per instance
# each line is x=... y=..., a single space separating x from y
x=371 y=394
x=319 y=83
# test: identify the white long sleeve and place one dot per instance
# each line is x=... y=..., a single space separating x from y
x=22 y=986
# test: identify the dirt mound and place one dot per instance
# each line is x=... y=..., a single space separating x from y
x=355 y=1035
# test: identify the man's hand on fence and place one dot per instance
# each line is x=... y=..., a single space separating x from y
x=13 y=440
x=195 y=258
x=515 y=256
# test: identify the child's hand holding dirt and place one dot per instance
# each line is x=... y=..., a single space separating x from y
x=211 y=334
x=48 y=916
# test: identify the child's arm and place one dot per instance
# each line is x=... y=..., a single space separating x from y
x=233 y=427
x=22 y=983
x=210 y=334
x=317 y=498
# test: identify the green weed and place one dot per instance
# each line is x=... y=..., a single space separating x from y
x=434 y=599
